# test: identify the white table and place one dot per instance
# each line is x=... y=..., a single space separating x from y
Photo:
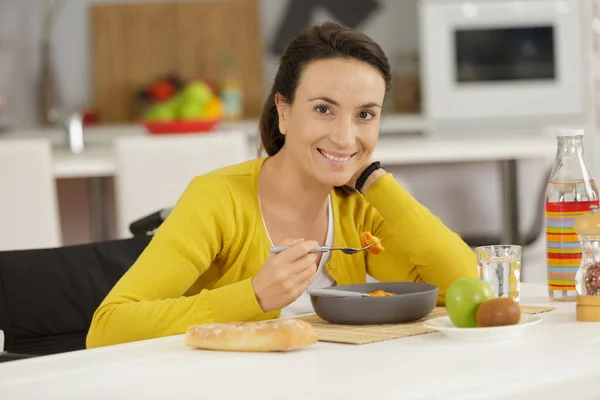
x=393 y=149
x=558 y=355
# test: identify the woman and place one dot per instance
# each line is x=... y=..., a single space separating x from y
x=210 y=260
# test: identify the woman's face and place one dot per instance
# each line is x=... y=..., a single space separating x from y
x=332 y=126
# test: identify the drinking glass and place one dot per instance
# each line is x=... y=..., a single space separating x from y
x=500 y=267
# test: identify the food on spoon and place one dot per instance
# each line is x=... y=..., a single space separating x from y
x=271 y=335
x=500 y=311
x=366 y=239
x=380 y=292
x=463 y=298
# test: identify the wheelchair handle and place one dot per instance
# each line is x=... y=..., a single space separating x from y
x=150 y=222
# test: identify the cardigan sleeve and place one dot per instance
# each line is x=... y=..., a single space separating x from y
x=149 y=300
x=418 y=246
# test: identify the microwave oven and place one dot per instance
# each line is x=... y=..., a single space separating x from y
x=501 y=63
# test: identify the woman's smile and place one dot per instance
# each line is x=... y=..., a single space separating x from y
x=339 y=160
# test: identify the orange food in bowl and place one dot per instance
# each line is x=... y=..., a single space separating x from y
x=366 y=238
x=381 y=293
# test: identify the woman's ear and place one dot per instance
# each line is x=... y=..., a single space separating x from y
x=282 y=111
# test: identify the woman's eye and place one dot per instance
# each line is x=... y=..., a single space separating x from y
x=365 y=115
x=322 y=109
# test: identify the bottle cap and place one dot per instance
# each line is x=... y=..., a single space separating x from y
x=569 y=132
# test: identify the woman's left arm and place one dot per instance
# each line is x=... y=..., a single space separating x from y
x=418 y=246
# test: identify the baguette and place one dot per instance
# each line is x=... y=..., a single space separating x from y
x=272 y=335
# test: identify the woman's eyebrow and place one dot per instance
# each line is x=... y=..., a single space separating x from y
x=335 y=103
x=326 y=99
x=371 y=104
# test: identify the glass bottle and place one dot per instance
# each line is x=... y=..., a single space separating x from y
x=587 y=279
x=570 y=192
x=232 y=93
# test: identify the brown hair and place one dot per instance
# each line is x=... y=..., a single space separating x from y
x=328 y=40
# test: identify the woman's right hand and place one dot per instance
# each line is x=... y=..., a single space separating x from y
x=286 y=275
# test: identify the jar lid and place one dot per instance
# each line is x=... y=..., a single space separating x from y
x=570 y=132
x=588 y=224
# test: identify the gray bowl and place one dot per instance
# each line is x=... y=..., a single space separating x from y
x=412 y=302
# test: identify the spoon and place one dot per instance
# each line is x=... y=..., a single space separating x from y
x=323 y=249
x=336 y=293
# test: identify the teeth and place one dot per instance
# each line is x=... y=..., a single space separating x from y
x=334 y=158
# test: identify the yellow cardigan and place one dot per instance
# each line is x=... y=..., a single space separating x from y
x=199 y=265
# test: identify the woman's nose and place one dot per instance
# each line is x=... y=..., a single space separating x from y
x=343 y=135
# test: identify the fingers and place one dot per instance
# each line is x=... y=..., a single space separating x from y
x=305 y=282
x=297 y=249
x=308 y=261
x=300 y=281
x=297 y=263
x=286 y=243
x=307 y=273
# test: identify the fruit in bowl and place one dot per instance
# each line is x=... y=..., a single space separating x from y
x=160 y=112
x=194 y=107
x=464 y=297
x=196 y=101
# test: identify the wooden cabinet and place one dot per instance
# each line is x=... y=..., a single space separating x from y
x=136 y=43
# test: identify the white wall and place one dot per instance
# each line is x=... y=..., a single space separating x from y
x=465 y=196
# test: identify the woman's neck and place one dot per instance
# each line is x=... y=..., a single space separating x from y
x=283 y=184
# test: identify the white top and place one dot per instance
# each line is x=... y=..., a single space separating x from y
x=322 y=279
x=558 y=358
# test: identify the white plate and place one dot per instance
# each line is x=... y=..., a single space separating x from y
x=444 y=325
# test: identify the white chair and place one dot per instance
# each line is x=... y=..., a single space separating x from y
x=29 y=214
x=153 y=171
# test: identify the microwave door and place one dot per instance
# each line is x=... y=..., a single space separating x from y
x=504 y=54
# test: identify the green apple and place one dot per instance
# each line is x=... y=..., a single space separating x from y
x=197 y=91
x=190 y=110
x=160 y=112
x=463 y=298
x=175 y=101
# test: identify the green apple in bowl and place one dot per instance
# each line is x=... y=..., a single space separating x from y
x=463 y=298
x=190 y=110
x=160 y=112
x=197 y=92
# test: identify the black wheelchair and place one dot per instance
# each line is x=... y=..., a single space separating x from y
x=48 y=296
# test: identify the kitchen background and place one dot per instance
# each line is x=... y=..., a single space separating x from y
x=466 y=196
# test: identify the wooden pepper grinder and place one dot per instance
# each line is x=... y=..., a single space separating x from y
x=587 y=227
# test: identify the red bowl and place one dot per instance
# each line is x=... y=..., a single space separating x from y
x=165 y=128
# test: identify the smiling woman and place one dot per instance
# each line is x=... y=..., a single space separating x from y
x=210 y=262
x=334 y=120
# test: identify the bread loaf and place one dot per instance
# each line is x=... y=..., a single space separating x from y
x=272 y=335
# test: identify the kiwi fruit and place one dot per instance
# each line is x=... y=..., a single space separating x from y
x=500 y=311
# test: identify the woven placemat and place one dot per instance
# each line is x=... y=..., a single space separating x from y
x=363 y=334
